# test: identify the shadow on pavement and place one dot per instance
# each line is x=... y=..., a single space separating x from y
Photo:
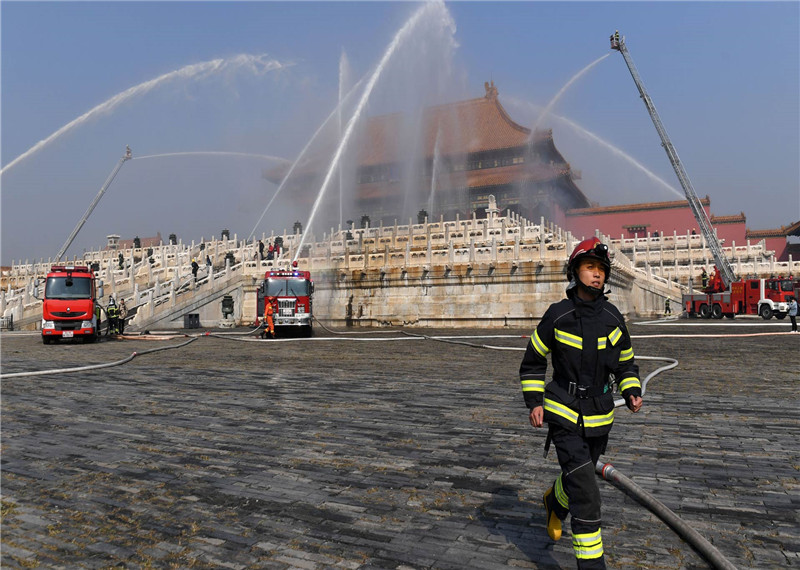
x=521 y=523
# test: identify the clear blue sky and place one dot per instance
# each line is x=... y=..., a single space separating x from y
x=725 y=77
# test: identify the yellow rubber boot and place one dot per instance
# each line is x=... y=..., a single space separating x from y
x=553 y=522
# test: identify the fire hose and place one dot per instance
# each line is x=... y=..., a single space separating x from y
x=709 y=552
x=94 y=366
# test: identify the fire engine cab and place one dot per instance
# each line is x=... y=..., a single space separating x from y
x=69 y=305
x=290 y=293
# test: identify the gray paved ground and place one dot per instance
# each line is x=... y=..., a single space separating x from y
x=392 y=454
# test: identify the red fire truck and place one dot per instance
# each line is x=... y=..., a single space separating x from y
x=290 y=293
x=765 y=297
x=69 y=305
x=727 y=295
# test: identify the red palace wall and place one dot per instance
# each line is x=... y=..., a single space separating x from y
x=641 y=219
x=629 y=220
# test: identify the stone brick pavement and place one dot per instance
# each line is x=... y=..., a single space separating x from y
x=380 y=454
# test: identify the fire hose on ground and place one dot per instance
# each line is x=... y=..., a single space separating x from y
x=94 y=366
x=709 y=552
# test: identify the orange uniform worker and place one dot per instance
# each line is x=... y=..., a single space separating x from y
x=268 y=321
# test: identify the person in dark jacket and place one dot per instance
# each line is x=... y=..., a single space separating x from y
x=588 y=341
x=113 y=317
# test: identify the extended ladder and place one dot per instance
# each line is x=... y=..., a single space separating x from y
x=726 y=271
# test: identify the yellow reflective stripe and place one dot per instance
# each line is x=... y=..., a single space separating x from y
x=537 y=343
x=561 y=495
x=598 y=421
x=560 y=410
x=629 y=383
x=588 y=546
x=615 y=335
x=601 y=343
x=569 y=339
x=532 y=385
x=626 y=354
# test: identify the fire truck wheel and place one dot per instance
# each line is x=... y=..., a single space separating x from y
x=716 y=311
x=766 y=312
x=89 y=338
x=704 y=311
x=780 y=316
x=730 y=315
x=46 y=340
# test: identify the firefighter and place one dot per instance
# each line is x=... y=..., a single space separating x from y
x=113 y=316
x=667 y=309
x=195 y=268
x=588 y=340
x=269 y=324
x=704 y=278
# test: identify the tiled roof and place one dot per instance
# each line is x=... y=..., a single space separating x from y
x=735 y=219
x=783 y=231
x=760 y=234
x=463 y=127
x=634 y=207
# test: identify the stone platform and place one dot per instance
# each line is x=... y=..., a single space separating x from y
x=382 y=453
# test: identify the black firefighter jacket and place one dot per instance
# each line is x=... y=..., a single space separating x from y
x=588 y=342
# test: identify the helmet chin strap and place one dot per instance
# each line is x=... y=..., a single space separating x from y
x=594 y=291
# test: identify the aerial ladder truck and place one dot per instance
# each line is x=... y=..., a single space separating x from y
x=726 y=295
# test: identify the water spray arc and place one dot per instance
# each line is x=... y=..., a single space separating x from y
x=344 y=78
x=300 y=157
x=561 y=91
x=435 y=170
x=615 y=150
x=399 y=38
x=256 y=63
x=214 y=153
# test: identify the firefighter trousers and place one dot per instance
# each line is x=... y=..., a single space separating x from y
x=576 y=493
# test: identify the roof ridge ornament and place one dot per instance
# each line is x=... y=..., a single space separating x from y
x=491 y=90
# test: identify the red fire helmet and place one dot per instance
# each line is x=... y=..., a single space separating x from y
x=593 y=248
